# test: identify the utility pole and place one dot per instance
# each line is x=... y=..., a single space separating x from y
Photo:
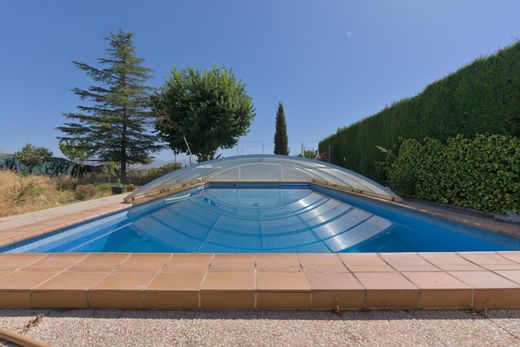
x=311 y=143
x=189 y=150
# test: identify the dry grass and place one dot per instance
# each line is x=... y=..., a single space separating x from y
x=20 y=194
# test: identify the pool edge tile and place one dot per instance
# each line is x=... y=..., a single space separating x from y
x=499 y=298
x=227 y=300
x=116 y=299
x=392 y=299
x=177 y=299
x=15 y=299
x=431 y=299
x=338 y=299
x=278 y=300
x=58 y=298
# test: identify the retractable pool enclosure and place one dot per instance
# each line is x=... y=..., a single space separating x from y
x=263 y=169
x=264 y=204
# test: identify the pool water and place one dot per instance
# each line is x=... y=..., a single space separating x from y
x=288 y=218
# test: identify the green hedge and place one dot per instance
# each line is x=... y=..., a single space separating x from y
x=482 y=172
x=483 y=97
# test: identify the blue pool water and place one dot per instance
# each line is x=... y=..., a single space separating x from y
x=290 y=218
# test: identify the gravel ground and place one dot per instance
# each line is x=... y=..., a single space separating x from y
x=274 y=328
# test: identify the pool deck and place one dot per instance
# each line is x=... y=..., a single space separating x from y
x=349 y=281
x=51 y=216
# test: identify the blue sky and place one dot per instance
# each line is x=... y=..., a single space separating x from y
x=330 y=62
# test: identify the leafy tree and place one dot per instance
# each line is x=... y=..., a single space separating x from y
x=110 y=168
x=309 y=154
x=210 y=109
x=281 y=141
x=32 y=156
x=117 y=121
x=77 y=151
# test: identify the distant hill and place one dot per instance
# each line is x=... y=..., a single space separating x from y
x=482 y=97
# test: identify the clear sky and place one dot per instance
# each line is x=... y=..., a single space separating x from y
x=331 y=63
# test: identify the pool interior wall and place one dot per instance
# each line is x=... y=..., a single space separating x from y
x=266 y=218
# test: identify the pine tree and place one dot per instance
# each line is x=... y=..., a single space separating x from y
x=116 y=123
x=280 y=137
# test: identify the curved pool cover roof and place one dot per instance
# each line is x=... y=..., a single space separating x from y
x=263 y=168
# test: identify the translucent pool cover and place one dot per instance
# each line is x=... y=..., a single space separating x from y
x=289 y=218
x=264 y=168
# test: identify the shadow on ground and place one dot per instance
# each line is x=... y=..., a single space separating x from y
x=282 y=315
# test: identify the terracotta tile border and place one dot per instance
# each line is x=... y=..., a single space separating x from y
x=189 y=281
x=320 y=281
x=25 y=232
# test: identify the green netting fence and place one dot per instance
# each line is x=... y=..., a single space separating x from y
x=56 y=166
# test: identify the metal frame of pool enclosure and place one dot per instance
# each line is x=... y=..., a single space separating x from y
x=263 y=168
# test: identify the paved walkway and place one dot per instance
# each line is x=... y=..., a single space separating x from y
x=282 y=328
x=38 y=216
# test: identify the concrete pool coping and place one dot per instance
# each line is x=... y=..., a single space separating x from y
x=322 y=281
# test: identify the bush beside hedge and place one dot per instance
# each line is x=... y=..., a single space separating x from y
x=483 y=97
x=85 y=191
x=481 y=172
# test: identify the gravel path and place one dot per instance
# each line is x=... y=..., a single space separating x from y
x=198 y=328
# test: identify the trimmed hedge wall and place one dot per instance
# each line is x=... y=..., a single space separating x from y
x=483 y=97
x=481 y=173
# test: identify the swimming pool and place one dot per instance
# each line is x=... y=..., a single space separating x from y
x=266 y=218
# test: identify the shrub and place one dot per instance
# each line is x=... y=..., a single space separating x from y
x=85 y=191
x=32 y=156
x=118 y=184
x=65 y=182
x=9 y=191
x=20 y=194
x=162 y=170
x=28 y=188
x=105 y=187
x=483 y=97
x=482 y=172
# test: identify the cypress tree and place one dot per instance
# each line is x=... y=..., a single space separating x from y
x=281 y=142
x=116 y=122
